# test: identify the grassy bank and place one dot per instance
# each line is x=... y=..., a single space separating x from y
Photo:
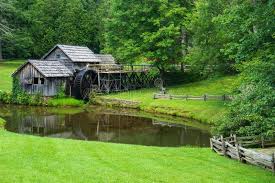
x=6 y=69
x=2 y=123
x=208 y=111
x=35 y=159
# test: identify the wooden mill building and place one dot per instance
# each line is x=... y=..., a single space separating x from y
x=79 y=71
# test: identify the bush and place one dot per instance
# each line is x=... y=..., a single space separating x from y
x=60 y=92
x=252 y=111
x=5 y=97
x=92 y=98
x=19 y=96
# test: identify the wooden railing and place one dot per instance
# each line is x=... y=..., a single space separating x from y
x=192 y=97
x=136 y=67
x=230 y=147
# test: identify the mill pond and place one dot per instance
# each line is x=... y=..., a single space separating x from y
x=107 y=125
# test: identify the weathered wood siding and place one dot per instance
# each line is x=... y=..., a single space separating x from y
x=57 y=54
x=49 y=88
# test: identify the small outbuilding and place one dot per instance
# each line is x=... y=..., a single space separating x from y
x=46 y=78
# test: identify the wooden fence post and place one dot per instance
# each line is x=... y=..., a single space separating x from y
x=237 y=148
x=223 y=146
x=238 y=152
x=273 y=163
x=262 y=140
x=223 y=97
x=211 y=144
x=204 y=97
x=235 y=139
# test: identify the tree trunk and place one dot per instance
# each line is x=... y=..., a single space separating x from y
x=161 y=73
x=1 y=56
x=184 y=43
x=254 y=26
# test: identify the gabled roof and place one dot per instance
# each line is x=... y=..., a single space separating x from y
x=75 y=53
x=49 y=68
x=106 y=59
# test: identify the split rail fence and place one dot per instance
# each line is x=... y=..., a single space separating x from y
x=233 y=147
x=191 y=97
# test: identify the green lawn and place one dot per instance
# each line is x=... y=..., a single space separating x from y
x=208 y=111
x=6 y=69
x=35 y=159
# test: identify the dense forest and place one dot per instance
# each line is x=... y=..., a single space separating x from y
x=221 y=36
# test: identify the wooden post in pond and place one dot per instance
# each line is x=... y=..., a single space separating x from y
x=223 y=146
x=273 y=163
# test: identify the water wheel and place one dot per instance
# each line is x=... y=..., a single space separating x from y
x=83 y=83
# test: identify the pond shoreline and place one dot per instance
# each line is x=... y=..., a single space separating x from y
x=121 y=103
x=107 y=125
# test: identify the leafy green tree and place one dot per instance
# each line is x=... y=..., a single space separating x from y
x=246 y=26
x=5 y=11
x=64 y=22
x=145 y=30
x=205 y=53
x=228 y=32
x=37 y=25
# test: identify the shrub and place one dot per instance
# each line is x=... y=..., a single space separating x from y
x=60 y=92
x=19 y=96
x=92 y=98
x=5 y=97
x=252 y=111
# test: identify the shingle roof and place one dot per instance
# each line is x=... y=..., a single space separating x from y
x=52 y=68
x=76 y=53
x=49 y=68
x=105 y=59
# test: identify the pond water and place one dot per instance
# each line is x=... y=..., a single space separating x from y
x=107 y=125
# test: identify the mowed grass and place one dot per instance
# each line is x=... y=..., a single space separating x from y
x=54 y=102
x=205 y=111
x=36 y=159
x=6 y=69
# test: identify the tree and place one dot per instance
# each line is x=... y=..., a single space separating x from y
x=38 y=25
x=5 y=10
x=64 y=22
x=145 y=31
x=205 y=53
x=247 y=27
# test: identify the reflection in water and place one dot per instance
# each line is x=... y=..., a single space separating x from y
x=107 y=127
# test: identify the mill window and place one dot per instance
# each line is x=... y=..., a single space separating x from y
x=35 y=81
x=42 y=81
